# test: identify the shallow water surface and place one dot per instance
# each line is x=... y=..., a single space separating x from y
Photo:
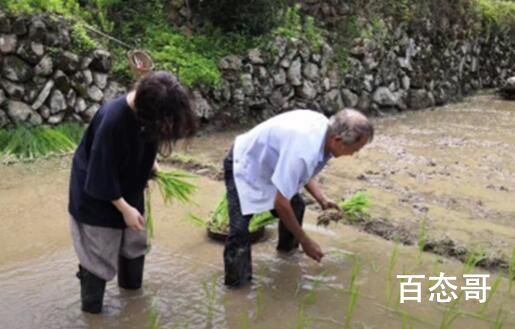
x=452 y=168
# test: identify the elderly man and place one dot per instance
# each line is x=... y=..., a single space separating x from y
x=268 y=166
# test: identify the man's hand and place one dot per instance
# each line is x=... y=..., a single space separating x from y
x=315 y=191
x=312 y=249
x=328 y=204
x=134 y=219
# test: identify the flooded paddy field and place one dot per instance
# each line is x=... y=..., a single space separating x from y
x=441 y=181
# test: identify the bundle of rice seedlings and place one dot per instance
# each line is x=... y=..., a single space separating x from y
x=355 y=208
x=219 y=220
x=261 y=220
x=173 y=185
x=32 y=142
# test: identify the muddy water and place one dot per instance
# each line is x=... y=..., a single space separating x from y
x=425 y=159
x=449 y=170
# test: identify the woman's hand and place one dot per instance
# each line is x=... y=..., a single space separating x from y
x=134 y=219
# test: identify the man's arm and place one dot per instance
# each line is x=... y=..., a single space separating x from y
x=322 y=200
x=287 y=216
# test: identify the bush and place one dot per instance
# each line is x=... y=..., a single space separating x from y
x=255 y=17
x=292 y=27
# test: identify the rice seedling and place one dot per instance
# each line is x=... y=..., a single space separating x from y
x=311 y=296
x=260 y=288
x=29 y=143
x=451 y=313
x=340 y=253
x=511 y=271
x=244 y=321
x=354 y=292
x=149 y=223
x=153 y=318
x=374 y=266
x=303 y=321
x=422 y=232
x=499 y=319
x=473 y=257
x=389 y=273
x=408 y=316
x=209 y=289
x=492 y=293
x=405 y=320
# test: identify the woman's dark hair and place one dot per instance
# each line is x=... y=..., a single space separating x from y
x=164 y=109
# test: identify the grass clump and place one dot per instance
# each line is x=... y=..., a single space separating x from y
x=25 y=142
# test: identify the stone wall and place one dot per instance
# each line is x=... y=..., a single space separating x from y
x=409 y=74
x=42 y=78
x=400 y=71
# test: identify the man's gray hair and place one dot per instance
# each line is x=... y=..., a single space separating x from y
x=352 y=126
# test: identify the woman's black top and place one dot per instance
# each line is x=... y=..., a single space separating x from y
x=113 y=160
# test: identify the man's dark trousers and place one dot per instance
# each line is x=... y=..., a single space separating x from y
x=237 y=253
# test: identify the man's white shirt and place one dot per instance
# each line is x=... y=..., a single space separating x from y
x=280 y=154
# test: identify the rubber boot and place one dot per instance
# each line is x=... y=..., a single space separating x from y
x=92 y=290
x=130 y=272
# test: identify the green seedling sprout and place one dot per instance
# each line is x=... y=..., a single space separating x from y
x=354 y=292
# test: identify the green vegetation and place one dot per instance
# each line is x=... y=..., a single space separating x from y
x=511 y=271
x=498 y=13
x=389 y=273
x=354 y=292
x=25 y=142
x=293 y=28
x=173 y=185
x=219 y=221
x=64 y=7
x=356 y=206
x=209 y=288
x=254 y=18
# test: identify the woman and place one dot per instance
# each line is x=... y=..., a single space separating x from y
x=110 y=170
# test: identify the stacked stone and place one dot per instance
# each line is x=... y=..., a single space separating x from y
x=42 y=79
